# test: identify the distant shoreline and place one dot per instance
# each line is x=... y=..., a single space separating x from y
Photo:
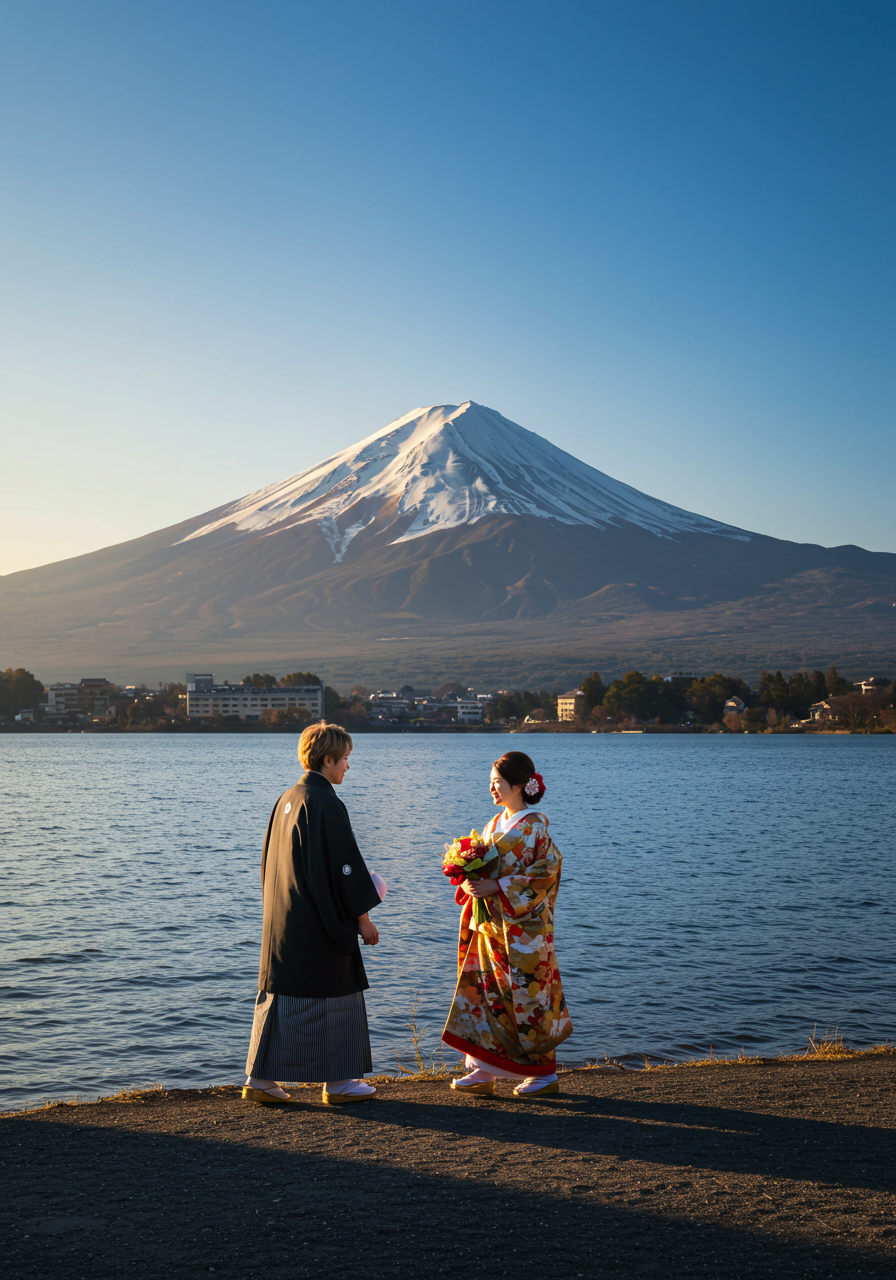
x=193 y=729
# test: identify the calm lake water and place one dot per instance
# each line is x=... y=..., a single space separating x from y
x=724 y=891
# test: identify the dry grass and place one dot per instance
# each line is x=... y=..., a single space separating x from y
x=829 y=1047
x=137 y=1093
x=427 y=1066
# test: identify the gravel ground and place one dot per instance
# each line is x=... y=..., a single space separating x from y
x=777 y=1170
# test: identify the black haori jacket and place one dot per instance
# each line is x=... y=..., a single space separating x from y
x=315 y=887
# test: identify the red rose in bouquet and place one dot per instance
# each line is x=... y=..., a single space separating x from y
x=470 y=858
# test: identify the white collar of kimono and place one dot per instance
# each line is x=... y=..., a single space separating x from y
x=503 y=823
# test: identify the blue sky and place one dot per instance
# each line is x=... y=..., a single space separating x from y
x=236 y=237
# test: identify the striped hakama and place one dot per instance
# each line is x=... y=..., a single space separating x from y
x=309 y=1039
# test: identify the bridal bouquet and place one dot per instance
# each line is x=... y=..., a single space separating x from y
x=470 y=858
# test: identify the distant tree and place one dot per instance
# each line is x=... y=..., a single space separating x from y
x=836 y=686
x=145 y=710
x=529 y=702
x=266 y=681
x=671 y=700
x=170 y=694
x=355 y=716
x=359 y=691
x=794 y=694
x=633 y=695
x=754 y=719
x=285 y=716
x=450 y=686
x=854 y=711
x=805 y=687
x=333 y=702
x=19 y=691
x=707 y=696
x=507 y=706
x=298 y=678
x=593 y=690
x=773 y=690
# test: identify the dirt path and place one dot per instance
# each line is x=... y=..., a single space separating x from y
x=784 y=1170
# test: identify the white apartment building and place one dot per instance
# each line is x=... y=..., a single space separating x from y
x=62 y=699
x=205 y=699
x=469 y=710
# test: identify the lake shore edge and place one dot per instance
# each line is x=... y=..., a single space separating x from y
x=827 y=1050
x=654 y=1172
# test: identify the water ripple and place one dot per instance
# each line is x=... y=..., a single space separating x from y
x=724 y=891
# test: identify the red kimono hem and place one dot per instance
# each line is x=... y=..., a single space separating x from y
x=495 y=1059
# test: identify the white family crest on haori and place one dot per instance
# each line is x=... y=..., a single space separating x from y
x=346 y=870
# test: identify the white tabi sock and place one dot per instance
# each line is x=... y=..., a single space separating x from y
x=477 y=1077
x=533 y=1083
x=356 y=1088
x=267 y=1086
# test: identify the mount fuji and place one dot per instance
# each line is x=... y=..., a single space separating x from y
x=446 y=466
x=494 y=554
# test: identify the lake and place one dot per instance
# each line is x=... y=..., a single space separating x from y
x=724 y=891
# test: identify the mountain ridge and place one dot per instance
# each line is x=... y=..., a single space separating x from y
x=442 y=537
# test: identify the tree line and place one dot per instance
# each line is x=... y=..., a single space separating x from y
x=638 y=698
x=634 y=697
x=19 y=691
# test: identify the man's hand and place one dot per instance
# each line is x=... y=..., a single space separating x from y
x=368 y=930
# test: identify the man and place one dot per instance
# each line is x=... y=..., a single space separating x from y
x=310 y=1019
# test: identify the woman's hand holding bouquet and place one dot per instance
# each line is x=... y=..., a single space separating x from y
x=470 y=858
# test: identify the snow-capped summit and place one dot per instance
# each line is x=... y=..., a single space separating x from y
x=449 y=465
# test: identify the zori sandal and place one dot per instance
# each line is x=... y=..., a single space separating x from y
x=485 y=1087
x=531 y=1089
x=263 y=1098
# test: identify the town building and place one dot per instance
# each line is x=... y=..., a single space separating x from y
x=734 y=705
x=469 y=710
x=91 y=696
x=391 y=703
x=570 y=704
x=205 y=699
x=872 y=685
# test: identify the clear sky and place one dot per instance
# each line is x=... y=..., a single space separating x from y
x=235 y=237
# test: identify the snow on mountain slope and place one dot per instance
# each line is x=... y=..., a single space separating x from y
x=445 y=466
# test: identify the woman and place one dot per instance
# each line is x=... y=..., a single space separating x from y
x=310 y=1019
x=509 y=1014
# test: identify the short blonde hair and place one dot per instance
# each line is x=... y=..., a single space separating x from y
x=321 y=740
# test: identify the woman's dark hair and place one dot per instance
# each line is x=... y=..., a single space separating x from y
x=516 y=768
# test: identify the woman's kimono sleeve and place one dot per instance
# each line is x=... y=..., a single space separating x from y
x=521 y=895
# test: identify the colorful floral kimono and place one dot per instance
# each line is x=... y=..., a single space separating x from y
x=508 y=1010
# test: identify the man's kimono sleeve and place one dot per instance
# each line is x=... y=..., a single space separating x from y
x=338 y=879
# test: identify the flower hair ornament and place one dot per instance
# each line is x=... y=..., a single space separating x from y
x=534 y=785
